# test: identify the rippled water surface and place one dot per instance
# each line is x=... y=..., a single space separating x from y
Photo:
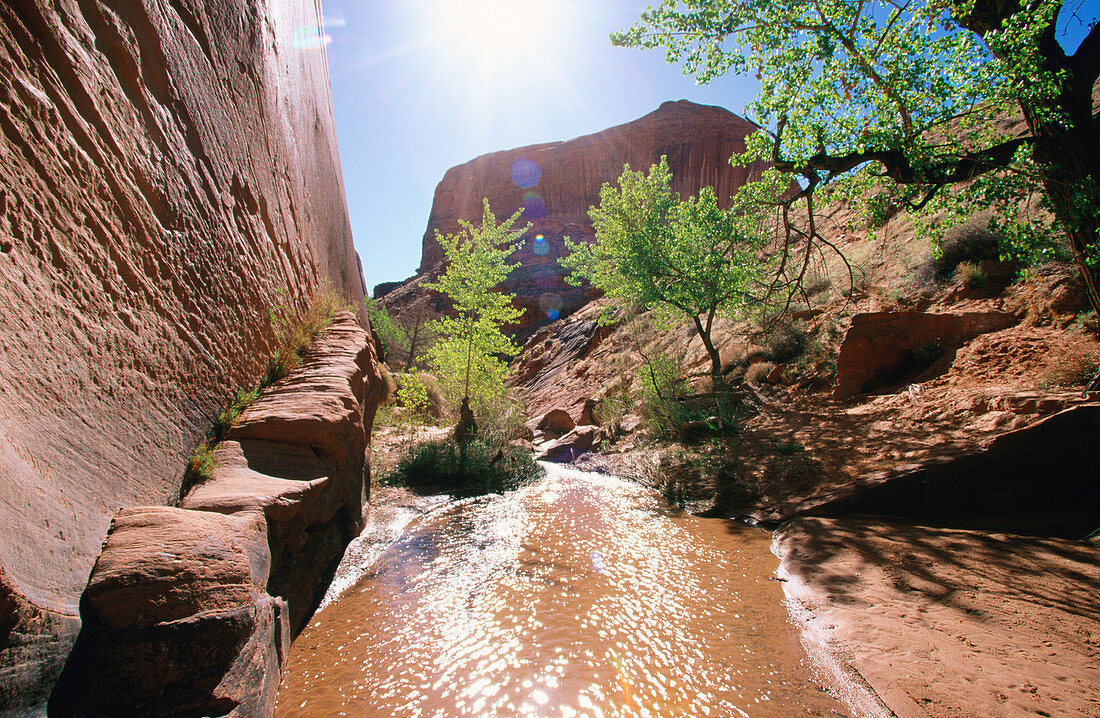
x=578 y=596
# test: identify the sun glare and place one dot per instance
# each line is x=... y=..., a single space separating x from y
x=497 y=30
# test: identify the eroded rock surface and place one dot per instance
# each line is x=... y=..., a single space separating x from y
x=189 y=611
x=881 y=346
x=555 y=183
x=165 y=168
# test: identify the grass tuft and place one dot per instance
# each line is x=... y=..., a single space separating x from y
x=463 y=468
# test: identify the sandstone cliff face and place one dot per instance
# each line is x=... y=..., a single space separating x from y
x=190 y=610
x=555 y=184
x=165 y=168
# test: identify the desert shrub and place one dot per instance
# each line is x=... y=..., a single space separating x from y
x=611 y=409
x=759 y=372
x=694 y=478
x=927 y=352
x=969 y=243
x=502 y=419
x=672 y=412
x=786 y=342
x=971 y=274
x=467 y=468
x=413 y=395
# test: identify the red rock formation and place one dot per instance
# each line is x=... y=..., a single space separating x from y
x=165 y=168
x=555 y=184
x=189 y=611
x=881 y=343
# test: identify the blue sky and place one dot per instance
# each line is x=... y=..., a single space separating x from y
x=422 y=85
x=418 y=87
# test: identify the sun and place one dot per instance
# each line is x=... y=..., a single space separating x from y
x=497 y=31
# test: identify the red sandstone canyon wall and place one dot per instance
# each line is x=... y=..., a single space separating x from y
x=556 y=183
x=166 y=168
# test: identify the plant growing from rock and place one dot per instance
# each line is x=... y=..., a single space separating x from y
x=294 y=329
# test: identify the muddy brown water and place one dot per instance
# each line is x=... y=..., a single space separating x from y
x=581 y=595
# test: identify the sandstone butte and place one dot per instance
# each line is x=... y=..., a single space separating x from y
x=166 y=169
x=555 y=183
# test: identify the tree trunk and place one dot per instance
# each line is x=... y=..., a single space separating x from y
x=1068 y=153
x=1073 y=161
x=712 y=352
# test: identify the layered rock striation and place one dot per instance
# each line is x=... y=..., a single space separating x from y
x=555 y=183
x=166 y=168
x=190 y=610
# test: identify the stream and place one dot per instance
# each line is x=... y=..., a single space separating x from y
x=580 y=595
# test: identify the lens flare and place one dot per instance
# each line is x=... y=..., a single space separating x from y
x=550 y=304
x=310 y=37
x=540 y=246
x=526 y=173
x=533 y=206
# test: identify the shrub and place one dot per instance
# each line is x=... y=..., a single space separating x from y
x=1076 y=369
x=927 y=353
x=759 y=372
x=673 y=413
x=971 y=274
x=786 y=342
x=413 y=395
x=969 y=243
x=611 y=409
x=468 y=468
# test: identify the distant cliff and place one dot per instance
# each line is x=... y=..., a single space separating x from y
x=166 y=168
x=555 y=184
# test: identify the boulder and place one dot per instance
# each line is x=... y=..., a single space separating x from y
x=570 y=446
x=189 y=610
x=588 y=413
x=177 y=621
x=883 y=345
x=555 y=421
x=1037 y=479
x=320 y=405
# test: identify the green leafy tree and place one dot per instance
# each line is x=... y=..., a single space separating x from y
x=467 y=355
x=392 y=335
x=911 y=94
x=684 y=257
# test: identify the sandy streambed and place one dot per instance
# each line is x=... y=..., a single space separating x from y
x=947 y=623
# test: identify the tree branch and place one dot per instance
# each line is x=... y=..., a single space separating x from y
x=901 y=170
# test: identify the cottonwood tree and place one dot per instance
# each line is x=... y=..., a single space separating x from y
x=911 y=93
x=685 y=257
x=393 y=336
x=467 y=355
